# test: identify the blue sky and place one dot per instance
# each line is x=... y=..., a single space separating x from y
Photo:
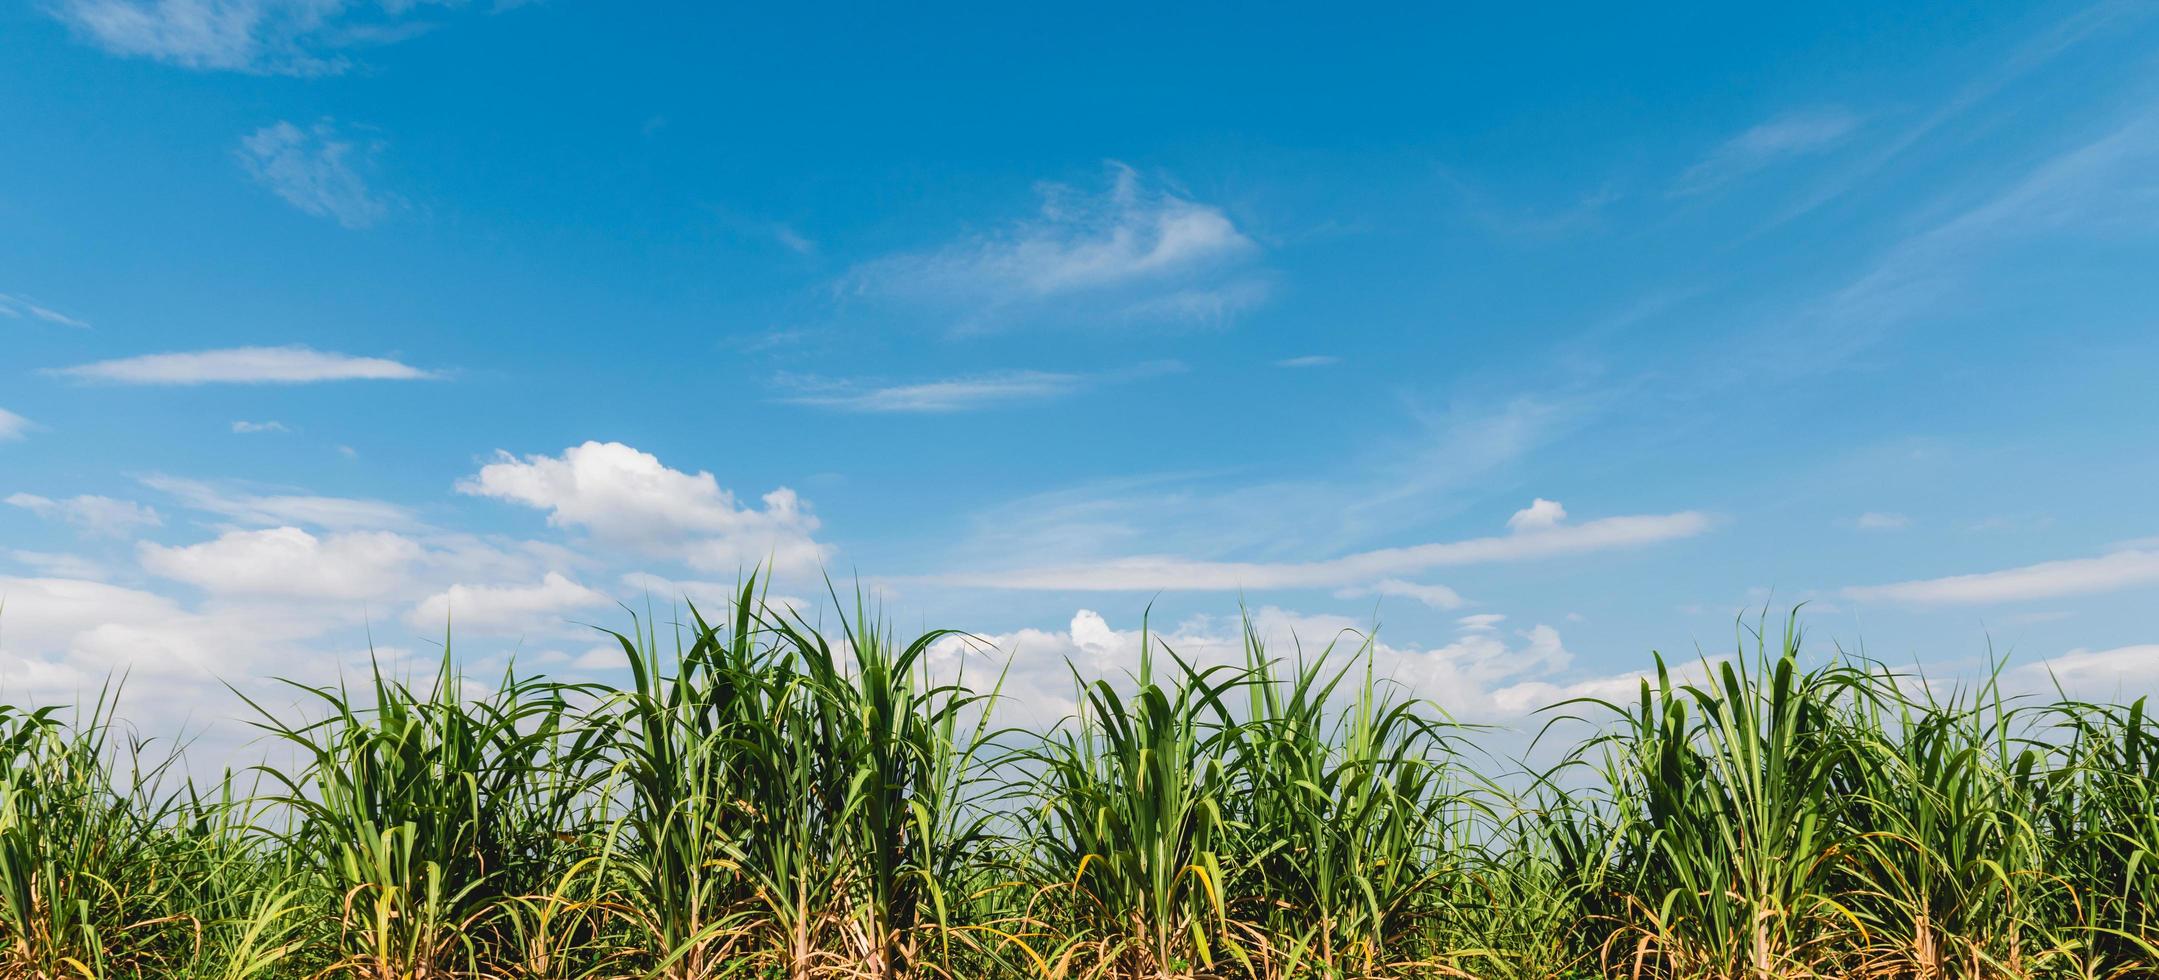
x=1540 y=338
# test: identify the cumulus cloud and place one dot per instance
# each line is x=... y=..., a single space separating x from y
x=48 y=618
x=505 y=608
x=287 y=561
x=1480 y=675
x=318 y=170
x=2045 y=580
x=1537 y=531
x=243 y=365
x=1539 y=515
x=628 y=498
x=1135 y=251
x=67 y=637
x=103 y=516
x=301 y=595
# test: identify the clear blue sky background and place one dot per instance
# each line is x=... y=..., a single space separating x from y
x=1037 y=310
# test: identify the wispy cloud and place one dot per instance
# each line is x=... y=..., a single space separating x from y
x=244 y=365
x=949 y=395
x=245 y=427
x=794 y=241
x=2035 y=53
x=2096 y=187
x=1514 y=222
x=317 y=170
x=57 y=564
x=1309 y=361
x=92 y=514
x=16 y=307
x=270 y=509
x=1879 y=521
x=282 y=37
x=1340 y=505
x=13 y=426
x=2045 y=580
x=957 y=394
x=1785 y=137
x=1532 y=537
x=1435 y=596
x=1136 y=251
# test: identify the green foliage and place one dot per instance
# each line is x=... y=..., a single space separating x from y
x=769 y=799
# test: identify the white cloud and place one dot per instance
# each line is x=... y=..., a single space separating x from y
x=627 y=497
x=337 y=513
x=793 y=240
x=1791 y=135
x=103 y=516
x=2100 y=672
x=17 y=307
x=67 y=637
x=602 y=658
x=960 y=394
x=1200 y=304
x=2097 y=188
x=287 y=561
x=1539 y=515
x=244 y=365
x=1877 y=521
x=1525 y=696
x=287 y=37
x=1540 y=535
x=317 y=171
x=1481 y=675
x=48 y=618
x=705 y=595
x=57 y=565
x=2045 y=580
x=1481 y=621
x=2043 y=48
x=292 y=599
x=949 y=395
x=505 y=608
x=709 y=597
x=1135 y=251
x=1330 y=508
x=1435 y=596
x=1309 y=361
x=13 y=426
x=244 y=427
